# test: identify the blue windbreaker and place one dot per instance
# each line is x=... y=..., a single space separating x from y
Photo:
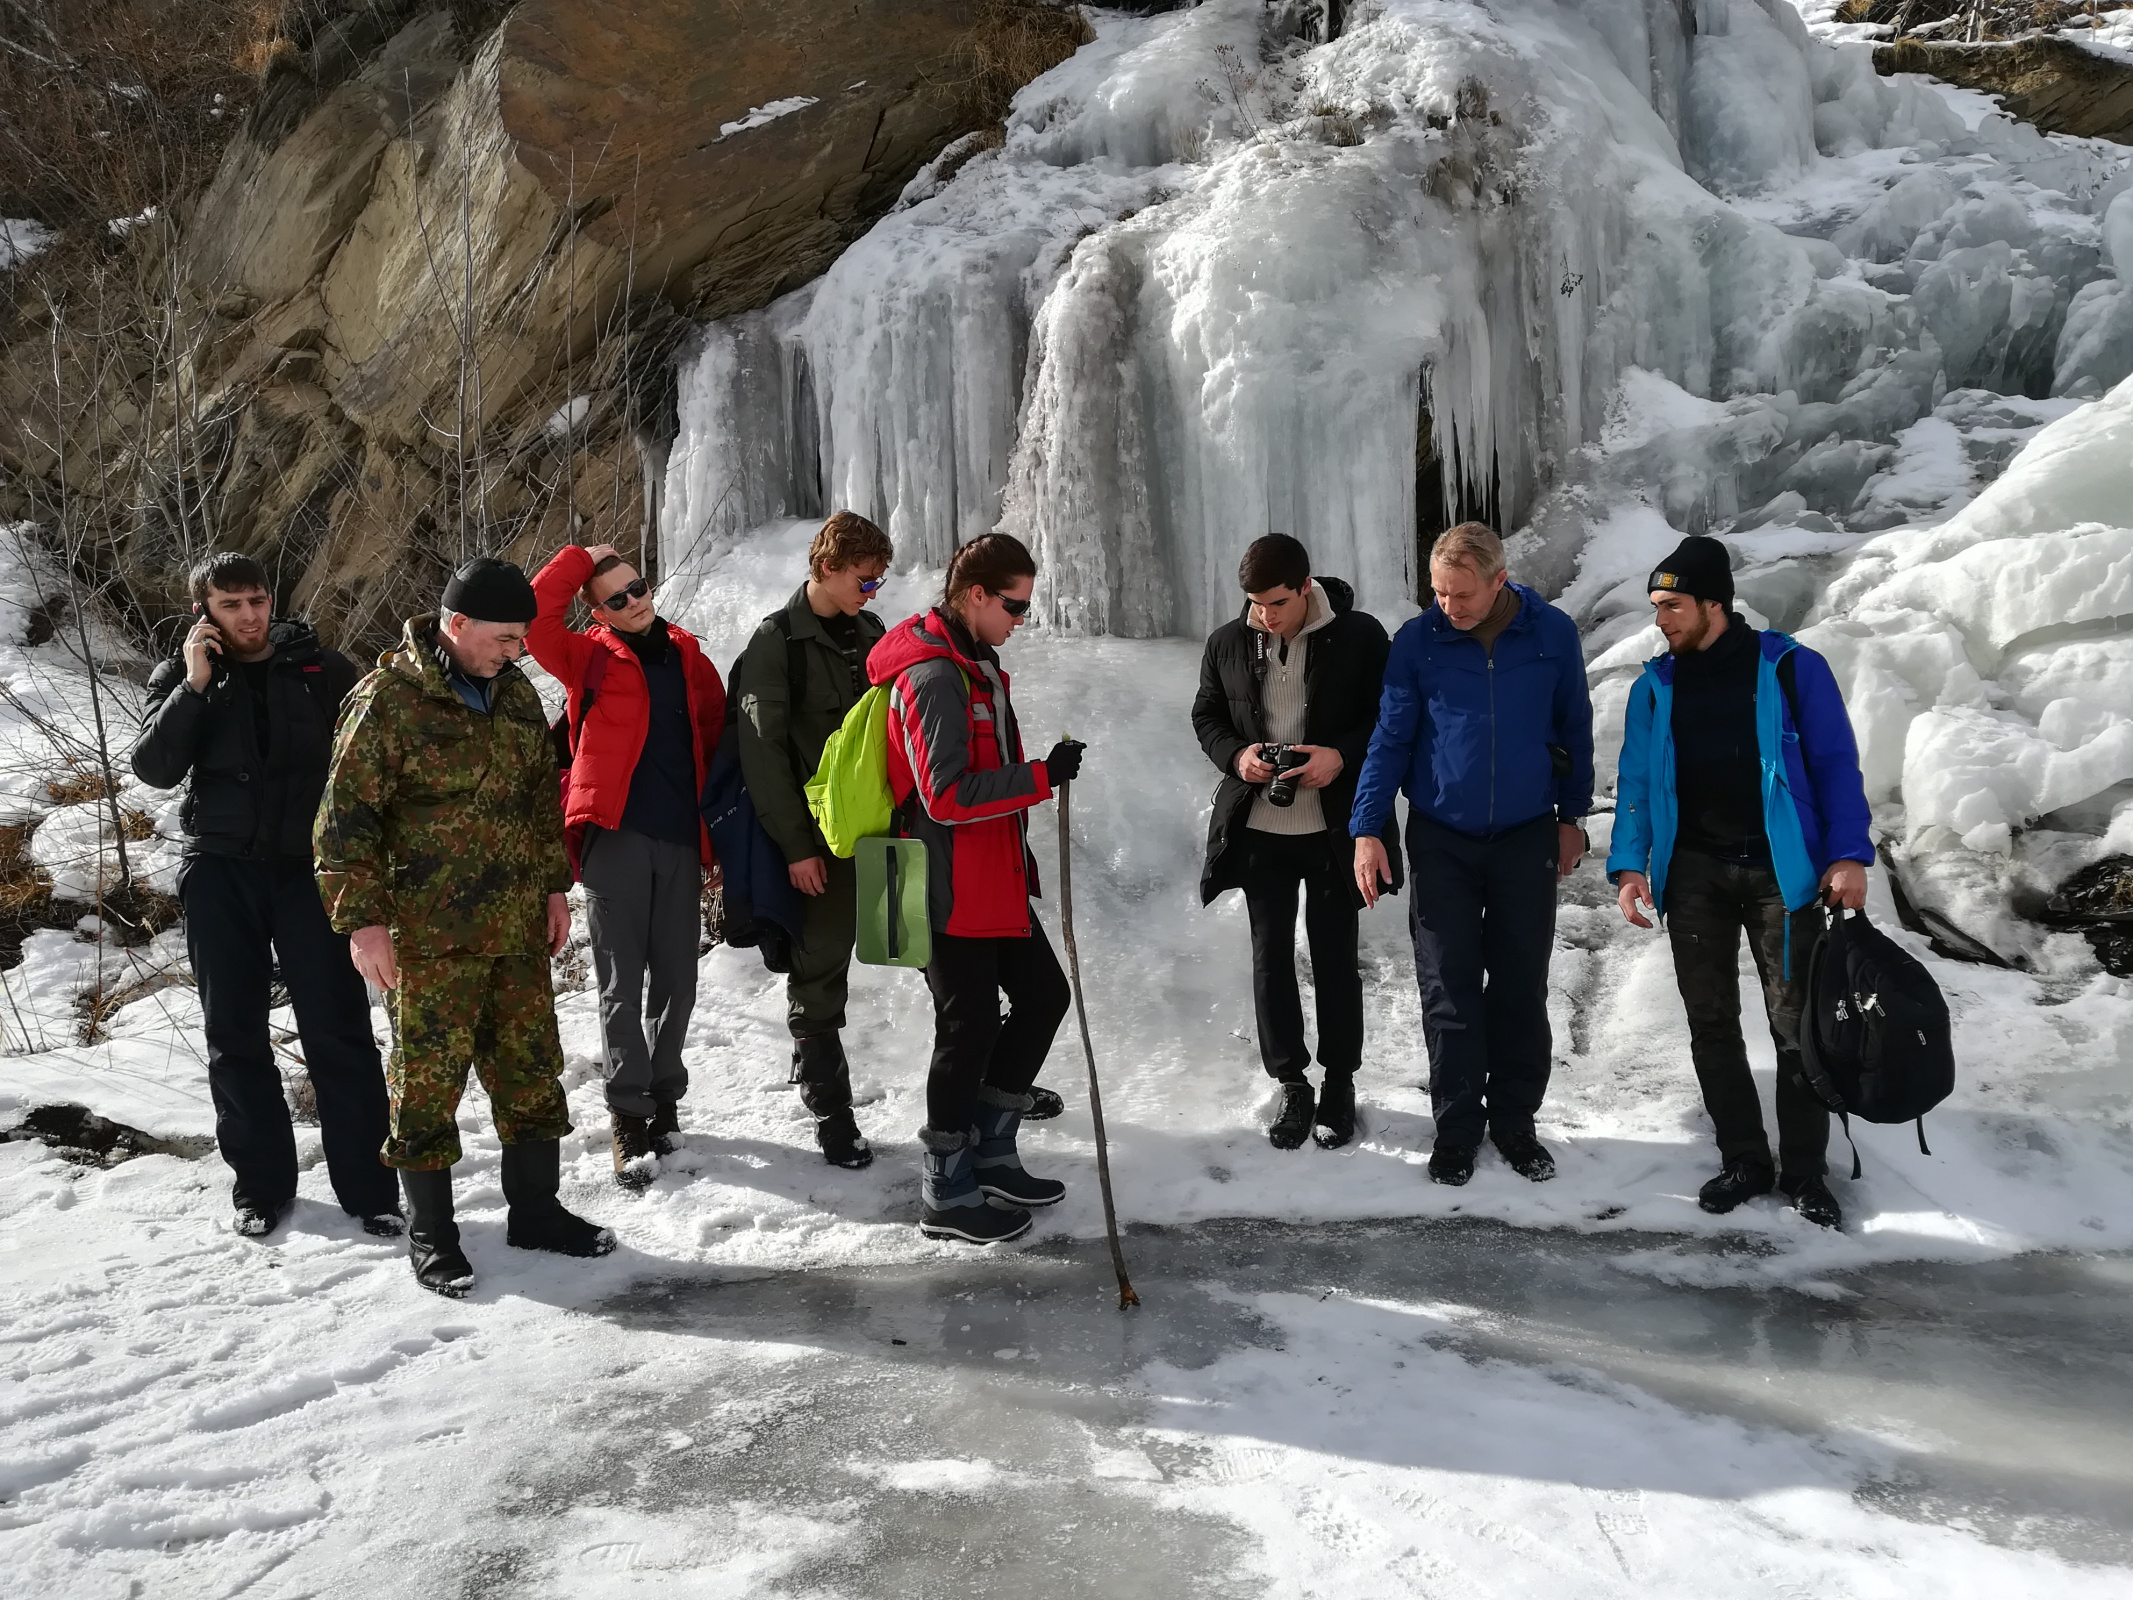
x=1466 y=733
x=1814 y=801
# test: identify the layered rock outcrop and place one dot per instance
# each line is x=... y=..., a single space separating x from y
x=427 y=300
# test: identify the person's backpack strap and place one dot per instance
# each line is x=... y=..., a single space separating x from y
x=589 y=691
x=795 y=688
x=1788 y=677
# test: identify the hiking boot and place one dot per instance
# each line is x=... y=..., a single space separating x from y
x=1292 y=1123
x=995 y=1160
x=385 y=1225
x=1334 y=1123
x=1525 y=1155
x=1044 y=1104
x=636 y=1162
x=843 y=1145
x=1451 y=1163
x=951 y=1205
x=252 y=1221
x=1742 y=1179
x=432 y=1236
x=1811 y=1199
x=666 y=1129
x=537 y=1220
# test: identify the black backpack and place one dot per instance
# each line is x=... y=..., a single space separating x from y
x=1875 y=1040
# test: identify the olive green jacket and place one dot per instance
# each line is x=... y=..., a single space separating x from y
x=781 y=737
x=442 y=823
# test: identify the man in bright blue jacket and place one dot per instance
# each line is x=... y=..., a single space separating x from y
x=1486 y=723
x=1739 y=806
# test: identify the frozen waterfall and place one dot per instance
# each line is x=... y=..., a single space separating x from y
x=1599 y=270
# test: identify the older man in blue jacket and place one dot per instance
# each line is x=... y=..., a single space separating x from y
x=1486 y=723
x=1739 y=807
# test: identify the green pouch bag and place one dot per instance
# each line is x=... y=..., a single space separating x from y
x=894 y=930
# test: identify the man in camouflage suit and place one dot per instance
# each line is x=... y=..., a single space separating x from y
x=440 y=853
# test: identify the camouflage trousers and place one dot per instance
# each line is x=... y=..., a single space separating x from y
x=495 y=1014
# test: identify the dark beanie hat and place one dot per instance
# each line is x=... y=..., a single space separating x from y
x=1700 y=567
x=489 y=590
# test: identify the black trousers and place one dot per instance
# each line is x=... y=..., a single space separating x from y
x=1709 y=904
x=973 y=1046
x=1482 y=912
x=1321 y=864
x=240 y=916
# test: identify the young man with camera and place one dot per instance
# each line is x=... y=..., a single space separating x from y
x=243 y=717
x=1486 y=724
x=1288 y=697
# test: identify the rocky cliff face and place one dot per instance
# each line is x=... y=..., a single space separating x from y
x=426 y=302
x=2052 y=83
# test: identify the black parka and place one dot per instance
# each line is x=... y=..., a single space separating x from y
x=241 y=800
x=1344 y=670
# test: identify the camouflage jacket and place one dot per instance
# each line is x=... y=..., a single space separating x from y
x=443 y=823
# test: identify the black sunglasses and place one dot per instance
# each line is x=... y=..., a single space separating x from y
x=1014 y=608
x=621 y=598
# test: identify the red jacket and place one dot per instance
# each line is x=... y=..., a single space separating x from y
x=613 y=735
x=954 y=744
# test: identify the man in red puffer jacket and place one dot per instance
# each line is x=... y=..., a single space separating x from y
x=641 y=750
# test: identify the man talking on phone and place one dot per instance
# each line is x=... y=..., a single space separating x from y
x=243 y=717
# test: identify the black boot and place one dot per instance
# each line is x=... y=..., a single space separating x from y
x=825 y=1080
x=537 y=1220
x=1451 y=1164
x=432 y=1236
x=1525 y=1155
x=1292 y=1123
x=1811 y=1199
x=1742 y=1179
x=666 y=1129
x=1044 y=1105
x=1334 y=1124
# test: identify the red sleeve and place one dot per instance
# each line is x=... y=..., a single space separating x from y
x=561 y=652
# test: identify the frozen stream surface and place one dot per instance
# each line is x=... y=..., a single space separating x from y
x=1996 y=1398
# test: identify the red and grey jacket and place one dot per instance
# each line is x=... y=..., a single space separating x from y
x=612 y=737
x=956 y=770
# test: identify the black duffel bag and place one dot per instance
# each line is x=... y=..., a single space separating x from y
x=1875 y=1039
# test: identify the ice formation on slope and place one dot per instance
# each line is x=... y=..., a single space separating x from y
x=1637 y=269
x=1218 y=274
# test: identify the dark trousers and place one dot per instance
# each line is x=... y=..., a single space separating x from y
x=1709 y=904
x=1483 y=916
x=1275 y=867
x=644 y=913
x=973 y=1046
x=822 y=960
x=241 y=916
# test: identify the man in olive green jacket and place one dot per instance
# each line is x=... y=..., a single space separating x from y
x=804 y=669
x=439 y=848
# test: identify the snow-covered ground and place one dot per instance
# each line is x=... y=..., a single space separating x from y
x=1236 y=303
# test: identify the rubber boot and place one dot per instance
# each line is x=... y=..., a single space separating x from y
x=951 y=1205
x=537 y=1220
x=824 y=1075
x=432 y=1236
x=996 y=1161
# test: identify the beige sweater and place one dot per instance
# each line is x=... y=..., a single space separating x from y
x=1282 y=712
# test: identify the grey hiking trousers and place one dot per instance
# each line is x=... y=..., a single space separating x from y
x=643 y=901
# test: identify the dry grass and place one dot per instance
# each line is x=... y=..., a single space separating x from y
x=1011 y=42
x=25 y=894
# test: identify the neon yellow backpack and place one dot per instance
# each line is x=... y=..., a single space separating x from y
x=849 y=793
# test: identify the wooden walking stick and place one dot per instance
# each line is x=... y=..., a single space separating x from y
x=1126 y=1296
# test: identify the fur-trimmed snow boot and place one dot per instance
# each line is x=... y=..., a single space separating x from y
x=996 y=1160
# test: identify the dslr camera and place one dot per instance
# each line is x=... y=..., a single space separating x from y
x=1287 y=761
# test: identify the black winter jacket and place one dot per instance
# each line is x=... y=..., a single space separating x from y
x=1344 y=669
x=241 y=800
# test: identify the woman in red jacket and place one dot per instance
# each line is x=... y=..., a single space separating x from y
x=643 y=745
x=956 y=768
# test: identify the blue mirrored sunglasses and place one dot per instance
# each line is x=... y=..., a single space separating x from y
x=872 y=585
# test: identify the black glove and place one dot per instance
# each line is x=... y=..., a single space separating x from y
x=1063 y=765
